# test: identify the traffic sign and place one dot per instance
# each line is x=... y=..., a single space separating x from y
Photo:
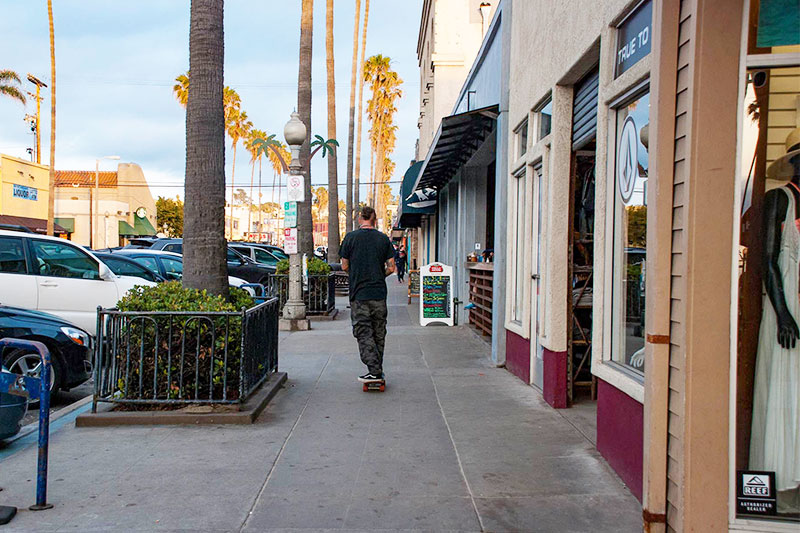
x=295 y=188
x=290 y=214
x=290 y=240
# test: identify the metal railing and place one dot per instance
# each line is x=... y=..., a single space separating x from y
x=319 y=294
x=165 y=357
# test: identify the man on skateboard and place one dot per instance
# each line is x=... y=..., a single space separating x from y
x=368 y=257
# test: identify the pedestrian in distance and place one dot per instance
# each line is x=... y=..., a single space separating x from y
x=368 y=258
x=402 y=264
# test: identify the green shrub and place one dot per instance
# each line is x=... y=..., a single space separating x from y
x=316 y=267
x=187 y=353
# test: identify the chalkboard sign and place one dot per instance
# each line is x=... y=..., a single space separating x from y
x=413 y=284
x=436 y=291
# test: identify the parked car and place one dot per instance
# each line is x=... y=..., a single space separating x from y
x=256 y=253
x=59 y=277
x=165 y=265
x=121 y=265
x=70 y=346
x=12 y=411
x=238 y=265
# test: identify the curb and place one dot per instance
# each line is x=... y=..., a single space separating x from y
x=248 y=413
x=33 y=427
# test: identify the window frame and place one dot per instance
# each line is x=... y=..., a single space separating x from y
x=519 y=226
x=547 y=101
x=26 y=256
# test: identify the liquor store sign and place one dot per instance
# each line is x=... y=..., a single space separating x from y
x=25 y=193
x=436 y=295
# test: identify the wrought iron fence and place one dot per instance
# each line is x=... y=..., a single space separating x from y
x=319 y=294
x=188 y=357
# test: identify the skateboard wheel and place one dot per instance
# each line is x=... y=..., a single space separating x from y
x=383 y=388
x=366 y=387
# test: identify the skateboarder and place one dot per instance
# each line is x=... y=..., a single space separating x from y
x=368 y=257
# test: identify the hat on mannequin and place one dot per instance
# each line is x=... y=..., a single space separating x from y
x=782 y=168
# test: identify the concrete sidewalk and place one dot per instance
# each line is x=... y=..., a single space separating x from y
x=453 y=444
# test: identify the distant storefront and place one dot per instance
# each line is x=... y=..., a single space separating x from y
x=24 y=194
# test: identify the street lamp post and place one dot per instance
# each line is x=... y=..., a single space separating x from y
x=294 y=311
x=93 y=223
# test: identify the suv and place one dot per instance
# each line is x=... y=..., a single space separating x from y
x=238 y=265
x=256 y=253
x=56 y=276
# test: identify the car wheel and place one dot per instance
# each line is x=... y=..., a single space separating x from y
x=30 y=364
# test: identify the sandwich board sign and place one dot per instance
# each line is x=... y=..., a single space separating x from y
x=436 y=295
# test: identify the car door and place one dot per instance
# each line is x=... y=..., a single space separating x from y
x=17 y=285
x=69 y=283
x=173 y=268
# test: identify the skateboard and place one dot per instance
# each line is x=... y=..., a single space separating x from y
x=377 y=385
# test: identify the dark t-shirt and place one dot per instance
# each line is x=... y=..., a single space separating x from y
x=367 y=250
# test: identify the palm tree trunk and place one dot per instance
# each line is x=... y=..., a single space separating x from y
x=233 y=171
x=204 y=265
x=304 y=222
x=348 y=223
x=357 y=179
x=333 y=175
x=51 y=195
x=250 y=211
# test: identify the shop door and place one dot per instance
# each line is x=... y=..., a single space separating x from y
x=537 y=364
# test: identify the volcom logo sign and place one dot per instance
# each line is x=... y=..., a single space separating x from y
x=628 y=159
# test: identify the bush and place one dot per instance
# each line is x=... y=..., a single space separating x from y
x=316 y=267
x=186 y=352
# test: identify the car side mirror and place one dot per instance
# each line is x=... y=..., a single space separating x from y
x=105 y=273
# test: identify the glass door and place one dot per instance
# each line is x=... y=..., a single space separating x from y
x=537 y=366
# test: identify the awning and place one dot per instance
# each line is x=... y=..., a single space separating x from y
x=66 y=223
x=126 y=230
x=413 y=205
x=36 y=225
x=143 y=226
x=458 y=138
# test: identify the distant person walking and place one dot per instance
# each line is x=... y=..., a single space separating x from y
x=401 y=260
x=368 y=257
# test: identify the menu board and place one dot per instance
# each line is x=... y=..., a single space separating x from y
x=436 y=294
x=413 y=284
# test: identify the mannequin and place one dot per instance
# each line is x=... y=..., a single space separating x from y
x=775 y=442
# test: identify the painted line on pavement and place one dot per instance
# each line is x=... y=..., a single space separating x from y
x=30 y=433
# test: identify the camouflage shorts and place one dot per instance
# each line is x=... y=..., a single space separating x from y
x=369 y=328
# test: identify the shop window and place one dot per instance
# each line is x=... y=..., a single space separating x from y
x=545 y=119
x=522 y=138
x=630 y=232
x=519 y=192
x=768 y=343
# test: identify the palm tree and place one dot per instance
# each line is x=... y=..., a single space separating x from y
x=348 y=224
x=51 y=197
x=333 y=176
x=357 y=178
x=204 y=250
x=252 y=148
x=238 y=127
x=304 y=221
x=181 y=88
x=9 y=82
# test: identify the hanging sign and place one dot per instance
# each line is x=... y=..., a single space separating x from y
x=290 y=240
x=755 y=492
x=295 y=188
x=25 y=193
x=627 y=159
x=634 y=36
x=436 y=296
x=290 y=214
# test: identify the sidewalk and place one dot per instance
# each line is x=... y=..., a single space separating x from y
x=453 y=444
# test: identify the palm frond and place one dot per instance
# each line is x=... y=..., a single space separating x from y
x=9 y=75
x=12 y=92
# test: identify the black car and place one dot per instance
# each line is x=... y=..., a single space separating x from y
x=125 y=266
x=70 y=346
x=239 y=266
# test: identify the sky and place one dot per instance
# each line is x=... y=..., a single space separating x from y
x=116 y=62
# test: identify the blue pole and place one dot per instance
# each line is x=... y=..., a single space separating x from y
x=44 y=434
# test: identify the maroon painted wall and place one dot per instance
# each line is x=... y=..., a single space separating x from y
x=518 y=356
x=620 y=434
x=554 y=378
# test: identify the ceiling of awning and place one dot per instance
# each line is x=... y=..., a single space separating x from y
x=458 y=138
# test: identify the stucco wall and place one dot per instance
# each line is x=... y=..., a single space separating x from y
x=21 y=172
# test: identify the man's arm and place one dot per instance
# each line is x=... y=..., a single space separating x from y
x=345 y=264
x=390 y=266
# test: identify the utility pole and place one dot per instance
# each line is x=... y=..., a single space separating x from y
x=39 y=84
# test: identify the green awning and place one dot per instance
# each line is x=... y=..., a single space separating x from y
x=143 y=226
x=126 y=229
x=66 y=223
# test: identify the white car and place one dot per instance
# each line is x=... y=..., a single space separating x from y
x=56 y=276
